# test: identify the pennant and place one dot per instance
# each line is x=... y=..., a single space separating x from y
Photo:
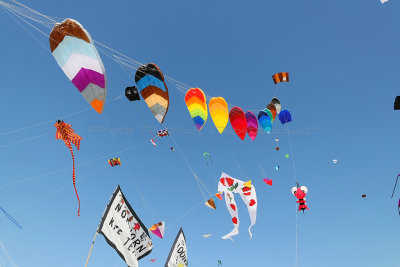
x=124 y=231
x=178 y=255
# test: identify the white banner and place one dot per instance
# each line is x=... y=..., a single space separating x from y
x=124 y=231
x=178 y=254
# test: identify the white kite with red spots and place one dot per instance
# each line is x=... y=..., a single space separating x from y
x=231 y=186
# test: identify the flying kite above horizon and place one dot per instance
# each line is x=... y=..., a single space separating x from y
x=300 y=193
x=252 y=125
x=219 y=113
x=68 y=135
x=75 y=53
x=280 y=77
x=231 y=186
x=197 y=105
x=150 y=81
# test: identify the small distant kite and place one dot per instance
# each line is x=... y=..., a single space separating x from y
x=287 y=156
x=152 y=260
x=206 y=236
x=280 y=77
x=219 y=195
x=158 y=229
x=300 y=193
x=115 y=161
x=363 y=196
x=172 y=148
x=162 y=133
x=334 y=161
x=211 y=203
x=277 y=139
x=219 y=263
x=277 y=148
x=68 y=135
x=277 y=167
x=152 y=141
x=384 y=1
x=268 y=181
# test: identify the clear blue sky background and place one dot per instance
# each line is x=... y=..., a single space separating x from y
x=343 y=59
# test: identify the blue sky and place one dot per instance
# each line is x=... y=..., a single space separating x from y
x=343 y=61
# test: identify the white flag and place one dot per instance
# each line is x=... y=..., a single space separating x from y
x=124 y=231
x=178 y=254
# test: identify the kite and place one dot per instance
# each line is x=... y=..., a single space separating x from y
x=206 y=236
x=197 y=106
x=68 y=135
x=397 y=178
x=75 y=53
x=277 y=167
x=272 y=109
x=384 y=1
x=334 y=161
x=268 y=181
x=277 y=148
x=248 y=196
x=158 y=229
x=172 y=148
x=252 y=124
x=219 y=263
x=300 y=193
x=211 y=203
x=219 y=113
x=363 y=196
x=153 y=260
x=397 y=103
x=287 y=156
x=150 y=81
x=207 y=155
x=276 y=139
x=265 y=121
x=14 y=221
x=285 y=116
x=238 y=121
x=280 y=77
x=162 y=133
x=219 y=195
x=114 y=161
x=152 y=141
x=132 y=93
x=178 y=255
x=275 y=101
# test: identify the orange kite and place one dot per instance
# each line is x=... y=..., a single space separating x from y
x=68 y=135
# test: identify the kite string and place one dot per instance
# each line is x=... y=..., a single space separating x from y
x=291 y=151
x=14 y=221
x=296 y=259
x=395 y=186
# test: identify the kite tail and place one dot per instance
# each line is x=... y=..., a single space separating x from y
x=73 y=176
x=250 y=234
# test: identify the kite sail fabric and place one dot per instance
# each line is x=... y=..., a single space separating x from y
x=124 y=231
x=275 y=101
x=178 y=255
x=68 y=135
x=269 y=114
x=272 y=109
x=158 y=229
x=219 y=195
x=162 y=133
x=75 y=53
x=14 y=221
x=211 y=203
x=252 y=125
x=219 y=113
x=150 y=81
x=280 y=77
x=265 y=121
x=285 y=116
x=238 y=122
x=197 y=106
x=229 y=186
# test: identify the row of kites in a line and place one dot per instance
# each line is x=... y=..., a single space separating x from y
x=75 y=52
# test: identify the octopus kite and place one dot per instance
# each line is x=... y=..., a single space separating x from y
x=68 y=135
